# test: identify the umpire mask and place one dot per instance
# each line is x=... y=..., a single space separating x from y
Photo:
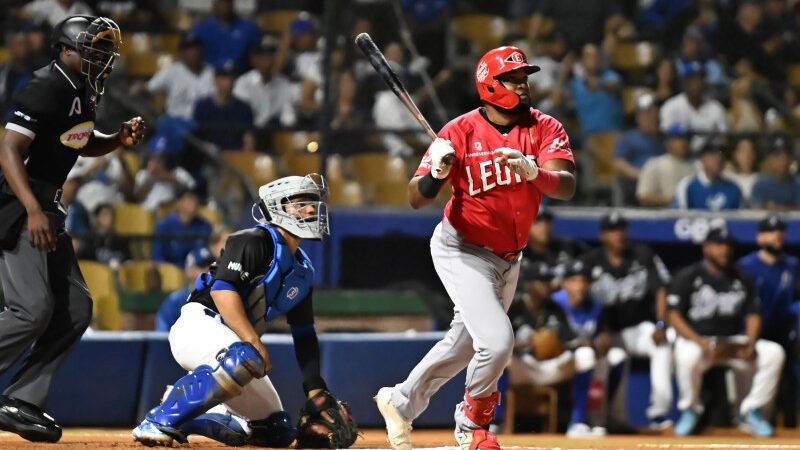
x=283 y=201
x=98 y=46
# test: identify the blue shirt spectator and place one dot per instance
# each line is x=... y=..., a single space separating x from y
x=226 y=37
x=197 y=261
x=709 y=189
x=184 y=221
x=222 y=119
x=774 y=187
x=583 y=311
x=636 y=147
x=595 y=93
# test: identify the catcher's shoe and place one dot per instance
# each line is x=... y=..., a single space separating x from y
x=220 y=427
x=479 y=439
x=28 y=421
x=148 y=434
x=397 y=428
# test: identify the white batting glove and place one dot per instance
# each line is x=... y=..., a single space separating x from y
x=524 y=165
x=442 y=154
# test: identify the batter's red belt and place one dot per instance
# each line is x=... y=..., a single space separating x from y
x=508 y=256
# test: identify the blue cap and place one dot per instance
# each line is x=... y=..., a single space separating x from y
x=199 y=257
x=301 y=25
x=690 y=68
x=677 y=130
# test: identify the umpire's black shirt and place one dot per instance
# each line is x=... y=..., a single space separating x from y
x=54 y=110
x=714 y=305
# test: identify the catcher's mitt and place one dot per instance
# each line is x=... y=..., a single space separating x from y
x=325 y=422
x=546 y=344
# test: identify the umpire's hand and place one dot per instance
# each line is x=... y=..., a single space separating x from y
x=132 y=131
x=40 y=235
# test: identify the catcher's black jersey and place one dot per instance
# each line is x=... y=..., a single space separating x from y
x=552 y=316
x=558 y=250
x=627 y=291
x=53 y=109
x=713 y=305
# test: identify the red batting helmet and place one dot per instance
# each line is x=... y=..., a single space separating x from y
x=497 y=62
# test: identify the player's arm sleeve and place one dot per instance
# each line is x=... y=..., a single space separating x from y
x=554 y=142
x=678 y=293
x=36 y=104
x=752 y=302
x=245 y=257
x=306 y=344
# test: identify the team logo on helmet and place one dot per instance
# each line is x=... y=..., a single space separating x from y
x=515 y=57
x=482 y=72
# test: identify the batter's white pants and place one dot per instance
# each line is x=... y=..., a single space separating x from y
x=481 y=286
x=638 y=341
x=527 y=370
x=196 y=338
x=764 y=371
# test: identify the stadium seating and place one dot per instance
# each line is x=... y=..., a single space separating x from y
x=132 y=161
x=629 y=96
x=300 y=163
x=540 y=401
x=632 y=56
x=146 y=64
x=133 y=275
x=100 y=281
x=133 y=220
x=260 y=168
x=482 y=31
x=277 y=21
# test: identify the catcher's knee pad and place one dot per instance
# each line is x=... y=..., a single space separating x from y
x=276 y=431
x=206 y=387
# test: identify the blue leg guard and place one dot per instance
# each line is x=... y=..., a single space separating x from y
x=276 y=431
x=220 y=427
x=205 y=388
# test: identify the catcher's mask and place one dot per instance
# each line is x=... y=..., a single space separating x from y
x=98 y=46
x=295 y=193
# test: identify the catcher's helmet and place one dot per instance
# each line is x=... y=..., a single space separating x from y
x=96 y=39
x=497 y=62
x=298 y=192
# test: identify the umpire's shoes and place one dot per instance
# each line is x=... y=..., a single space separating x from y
x=397 y=428
x=27 y=420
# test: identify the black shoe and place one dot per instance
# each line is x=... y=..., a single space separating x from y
x=27 y=420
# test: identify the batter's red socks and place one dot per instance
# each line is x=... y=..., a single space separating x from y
x=481 y=410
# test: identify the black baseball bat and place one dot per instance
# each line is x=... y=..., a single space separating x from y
x=378 y=61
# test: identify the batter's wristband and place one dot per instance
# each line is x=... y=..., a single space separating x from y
x=547 y=181
x=428 y=186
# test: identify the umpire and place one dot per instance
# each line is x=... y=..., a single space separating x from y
x=48 y=305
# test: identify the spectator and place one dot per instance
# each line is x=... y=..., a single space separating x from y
x=666 y=84
x=692 y=107
x=216 y=241
x=300 y=58
x=52 y=12
x=185 y=229
x=695 y=48
x=269 y=94
x=710 y=302
x=183 y=82
x=15 y=72
x=741 y=36
x=709 y=188
x=38 y=37
x=741 y=167
x=660 y=175
x=105 y=245
x=535 y=311
x=544 y=246
x=595 y=92
x=551 y=50
x=198 y=261
x=221 y=118
x=635 y=147
x=77 y=222
x=744 y=114
x=160 y=181
x=775 y=189
x=775 y=275
x=583 y=22
x=226 y=37
x=629 y=280
x=105 y=180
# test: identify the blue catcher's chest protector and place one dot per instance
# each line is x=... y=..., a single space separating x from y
x=288 y=279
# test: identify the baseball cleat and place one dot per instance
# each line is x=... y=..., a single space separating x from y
x=220 y=427
x=28 y=421
x=754 y=423
x=687 y=423
x=148 y=434
x=579 y=430
x=398 y=429
x=479 y=439
x=660 y=423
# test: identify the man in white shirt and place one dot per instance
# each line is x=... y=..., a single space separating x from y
x=184 y=81
x=53 y=11
x=703 y=115
x=660 y=175
x=160 y=181
x=270 y=94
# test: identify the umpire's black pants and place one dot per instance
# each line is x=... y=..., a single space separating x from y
x=48 y=307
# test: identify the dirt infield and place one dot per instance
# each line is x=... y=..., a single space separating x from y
x=443 y=439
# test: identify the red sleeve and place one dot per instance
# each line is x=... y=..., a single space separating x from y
x=452 y=132
x=554 y=141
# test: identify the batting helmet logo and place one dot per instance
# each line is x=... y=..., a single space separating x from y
x=497 y=62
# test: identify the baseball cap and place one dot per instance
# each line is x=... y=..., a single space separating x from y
x=189 y=40
x=572 y=268
x=535 y=271
x=300 y=25
x=267 y=44
x=690 y=68
x=613 y=221
x=715 y=144
x=718 y=235
x=677 y=130
x=779 y=144
x=199 y=257
x=771 y=222
x=226 y=69
x=645 y=101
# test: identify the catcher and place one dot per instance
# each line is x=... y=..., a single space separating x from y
x=260 y=275
x=550 y=346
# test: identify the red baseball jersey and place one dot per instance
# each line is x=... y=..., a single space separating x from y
x=491 y=205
